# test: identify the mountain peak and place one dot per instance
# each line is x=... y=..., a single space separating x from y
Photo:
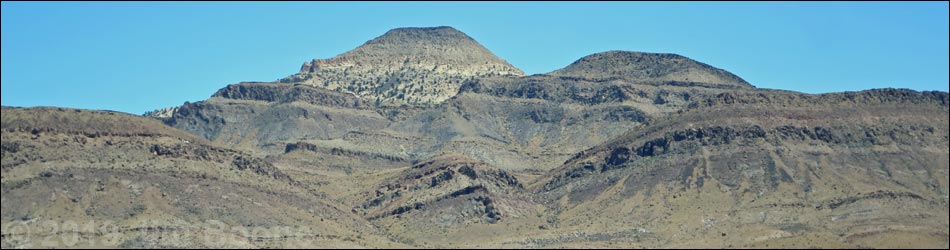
x=406 y=65
x=645 y=67
x=414 y=37
x=439 y=44
x=426 y=32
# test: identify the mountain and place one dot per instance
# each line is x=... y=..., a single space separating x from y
x=507 y=120
x=619 y=149
x=406 y=66
x=650 y=68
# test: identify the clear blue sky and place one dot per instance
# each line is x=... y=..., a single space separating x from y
x=139 y=56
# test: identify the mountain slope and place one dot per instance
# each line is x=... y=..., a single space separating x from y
x=140 y=183
x=265 y=116
x=771 y=169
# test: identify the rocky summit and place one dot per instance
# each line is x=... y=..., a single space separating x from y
x=650 y=68
x=422 y=138
x=406 y=66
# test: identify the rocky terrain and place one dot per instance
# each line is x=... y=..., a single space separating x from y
x=423 y=138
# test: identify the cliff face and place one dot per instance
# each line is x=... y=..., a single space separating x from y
x=280 y=93
x=406 y=66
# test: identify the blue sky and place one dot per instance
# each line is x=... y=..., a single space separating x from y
x=139 y=56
